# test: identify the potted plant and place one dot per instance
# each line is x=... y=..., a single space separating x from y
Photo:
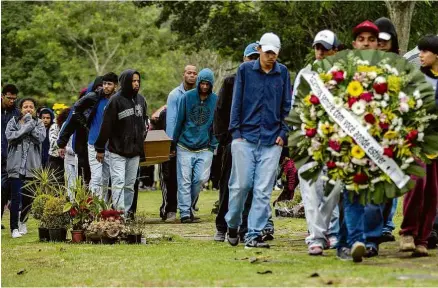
x=83 y=208
x=37 y=211
x=107 y=228
x=135 y=229
x=56 y=219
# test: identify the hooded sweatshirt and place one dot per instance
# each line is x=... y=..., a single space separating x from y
x=124 y=121
x=194 y=124
x=46 y=143
x=385 y=25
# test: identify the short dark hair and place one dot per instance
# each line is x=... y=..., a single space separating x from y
x=110 y=77
x=27 y=99
x=429 y=43
x=11 y=88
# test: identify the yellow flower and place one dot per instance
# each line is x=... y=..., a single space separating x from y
x=362 y=68
x=307 y=100
x=357 y=152
x=432 y=156
x=355 y=88
x=390 y=134
x=388 y=112
x=394 y=83
x=325 y=77
x=411 y=103
x=326 y=128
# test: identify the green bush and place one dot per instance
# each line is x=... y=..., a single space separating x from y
x=53 y=215
x=38 y=205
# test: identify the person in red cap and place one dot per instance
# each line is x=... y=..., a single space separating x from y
x=365 y=36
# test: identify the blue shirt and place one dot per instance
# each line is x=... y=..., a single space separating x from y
x=173 y=101
x=261 y=102
x=97 y=121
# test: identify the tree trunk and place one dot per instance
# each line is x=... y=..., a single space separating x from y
x=400 y=13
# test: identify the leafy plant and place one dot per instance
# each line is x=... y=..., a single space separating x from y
x=45 y=181
x=53 y=216
x=137 y=225
x=39 y=204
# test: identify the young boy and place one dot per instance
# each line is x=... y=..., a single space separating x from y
x=25 y=134
x=47 y=116
x=419 y=206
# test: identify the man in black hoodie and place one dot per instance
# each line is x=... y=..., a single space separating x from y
x=124 y=127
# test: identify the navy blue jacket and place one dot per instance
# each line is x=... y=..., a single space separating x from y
x=261 y=102
x=7 y=115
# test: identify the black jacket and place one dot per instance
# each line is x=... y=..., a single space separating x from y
x=124 y=121
x=223 y=110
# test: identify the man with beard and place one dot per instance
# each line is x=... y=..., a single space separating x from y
x=168 y=176
x=124 y=127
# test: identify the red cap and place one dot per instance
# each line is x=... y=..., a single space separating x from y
x=366 y=26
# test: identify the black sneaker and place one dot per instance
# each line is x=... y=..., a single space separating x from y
x=371 y=252
x=186 y=220
x=233 y=237
x=358 y=251
x=256 y=243
x=268 y=237
x=343 y=254
x=219 y=236
x=432 y=241
x=386 y=237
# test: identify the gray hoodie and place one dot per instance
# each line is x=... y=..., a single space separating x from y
x=24 y=150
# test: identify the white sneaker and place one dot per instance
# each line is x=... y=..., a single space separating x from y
x=16 y=234
x=22 y=228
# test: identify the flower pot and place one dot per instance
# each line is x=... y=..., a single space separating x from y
x=107 y=240
x=43 y=234
x=77 y=236
x=133 y=239
x=58 y=234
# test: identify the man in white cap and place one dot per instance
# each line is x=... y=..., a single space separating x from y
x=322 y=213
x=261 y=102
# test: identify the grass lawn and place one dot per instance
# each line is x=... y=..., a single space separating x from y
x=185 y=255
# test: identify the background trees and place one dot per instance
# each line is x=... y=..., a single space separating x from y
x=53 y=49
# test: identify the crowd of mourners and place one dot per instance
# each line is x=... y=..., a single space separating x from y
x=101 y=139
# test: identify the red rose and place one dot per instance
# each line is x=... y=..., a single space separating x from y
x=351 y=101
x=388 y=152
x=360 y=178
x=380 y=88
x=334 y=145
x=310 y=132
x=384 y=126
x=369 y=118
x=73 y=212
x=314 y=100
x=331 y=164
x=412 y=136
x=338 y=76
x=367 y=96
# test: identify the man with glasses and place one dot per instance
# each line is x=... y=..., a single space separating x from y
x=220 y=128
x=9 y=110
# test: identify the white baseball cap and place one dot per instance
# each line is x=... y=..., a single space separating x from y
x=384 y=36
x=270 y=42
x=327 y=39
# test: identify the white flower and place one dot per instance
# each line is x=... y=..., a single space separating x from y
x=377 y=96
x=340 y=164
x=313 y=112
x=420 y=128
x=324 y=178
x=403 y=97
x=419 y=103
x=333 y=69
x=360 y=162
x=342 y=134
x=377 y=112
x=420 y=137
x=310 y=151
x=332 y=82
x=349 y=187
x=359 y=107
x=338 y=102
x=372 y=75
x=380 y=80
x=382 y=117
x=363 y=62
x=404 y=107
x=383 y=104
x=376 y=180
x=404 y=166
x=363 y=186
x=409 y=160
x=417 y=94
x=394 y=71
x=333 y=182
x=303 y=127
x=315 y=144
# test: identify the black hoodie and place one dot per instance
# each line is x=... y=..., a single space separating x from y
x=385 y=25
x=124 y=120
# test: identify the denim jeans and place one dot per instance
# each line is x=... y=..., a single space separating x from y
x=334 y=226
x=373 y=224
x=123 y=174
x=192 y=172
x=254 y=168
x=20 y=195
x=100 y=173
x=352 y=226
x=319 y=209
x=389 y=224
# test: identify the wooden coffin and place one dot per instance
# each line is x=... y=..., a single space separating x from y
x=156 y=148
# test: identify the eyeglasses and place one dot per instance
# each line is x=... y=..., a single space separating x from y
x=12 y=99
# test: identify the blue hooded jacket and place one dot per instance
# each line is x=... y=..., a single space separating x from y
x=194 y=124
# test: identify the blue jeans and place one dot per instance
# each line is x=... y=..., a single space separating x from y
x=389 y=225
x=373 y=224
x=254 y=168
x=334 y=226
x=192 y=172
x=352 y=228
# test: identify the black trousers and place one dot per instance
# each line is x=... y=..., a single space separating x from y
x=57 y=164
x=18 y=193
x=224 y=193
x=6 y=185
x=169 y=187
